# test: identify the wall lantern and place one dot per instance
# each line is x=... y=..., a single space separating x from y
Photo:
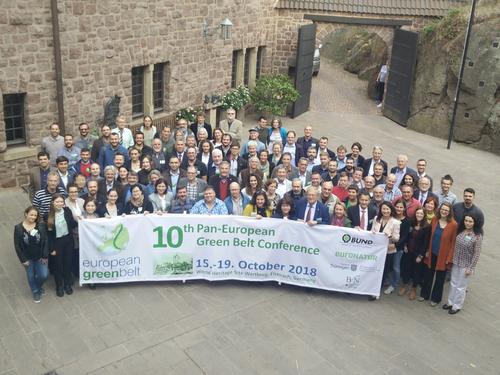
x=225 y=26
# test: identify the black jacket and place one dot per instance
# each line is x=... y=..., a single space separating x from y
x=70 y=221
x=194 y=129
x=22 y=248
x=354 y=216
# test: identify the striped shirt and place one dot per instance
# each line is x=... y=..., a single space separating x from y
x=42 y=200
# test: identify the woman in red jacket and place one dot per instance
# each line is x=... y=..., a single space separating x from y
x=439 y=254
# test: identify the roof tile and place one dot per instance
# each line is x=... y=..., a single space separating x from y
x=392 y=7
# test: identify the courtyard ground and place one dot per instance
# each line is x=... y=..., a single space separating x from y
x=245 y=328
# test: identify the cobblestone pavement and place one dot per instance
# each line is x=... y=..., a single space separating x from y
x=336 y=90
x=248 y=328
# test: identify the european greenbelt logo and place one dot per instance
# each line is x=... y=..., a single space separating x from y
x=346 y=238
x=116 y=241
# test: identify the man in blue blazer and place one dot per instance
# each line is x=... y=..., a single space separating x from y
x=310 y=210
x=362 y=214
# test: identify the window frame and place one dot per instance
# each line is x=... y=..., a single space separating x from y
x=158 y=87
x=17 y=116
x=137 y=89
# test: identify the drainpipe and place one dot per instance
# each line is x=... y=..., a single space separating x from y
x=58 y=64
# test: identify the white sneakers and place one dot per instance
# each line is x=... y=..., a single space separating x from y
x=389 y=290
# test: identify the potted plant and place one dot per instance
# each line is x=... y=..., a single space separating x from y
x=273 y=93
x=236 y=98
x=188 y=113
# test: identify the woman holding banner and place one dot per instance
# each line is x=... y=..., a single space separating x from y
x=258 y=206
x=285 y=209
x=339 y=217
x=112 y=207
x=137 y=204
x=161 y=199
x=60 y=224
x=386 y=222
x=439 y=255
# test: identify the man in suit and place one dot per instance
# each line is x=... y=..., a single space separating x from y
x=232 y=126
x=362 y=214
x=310 y=210
x=307 y=140
x=195 y=186
x=38 y=175
x=200 y=123
x=302 y=173
x=109 y=182
x=424 y=190
x=421 y=171
x=323 y=147
x=402 y=168
x=179 y=151
x=237 y=163
x=225 y=147
x=213 y=166
x=376 y=158
x=221 y=181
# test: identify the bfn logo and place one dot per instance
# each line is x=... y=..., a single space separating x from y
x=116 y=241
x=347 y=238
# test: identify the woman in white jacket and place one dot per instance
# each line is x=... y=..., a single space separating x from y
x=386 y=222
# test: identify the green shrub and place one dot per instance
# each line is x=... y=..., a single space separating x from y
x=273 y=93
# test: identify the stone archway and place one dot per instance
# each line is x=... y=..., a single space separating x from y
x=358 y=49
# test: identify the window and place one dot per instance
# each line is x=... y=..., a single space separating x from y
x=158 y=87
x=247 y=66
x=137 y=91
x=13 y=110
x=234 y=68
x=258 y=68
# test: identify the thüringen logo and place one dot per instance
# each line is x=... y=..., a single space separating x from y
x=115 y=242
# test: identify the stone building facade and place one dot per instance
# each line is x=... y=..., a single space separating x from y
x=124 y=47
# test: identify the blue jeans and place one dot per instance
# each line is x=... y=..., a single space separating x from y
x=392 y=268
x=396 y=268
x=37 y=273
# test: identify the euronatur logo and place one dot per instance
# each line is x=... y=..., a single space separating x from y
x=115 y=242
x=347 y=238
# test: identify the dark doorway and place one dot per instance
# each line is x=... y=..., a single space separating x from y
x=303 y=68
x=400 y=79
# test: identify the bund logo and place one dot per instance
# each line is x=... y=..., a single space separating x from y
x=115 y=242
x=347 y=238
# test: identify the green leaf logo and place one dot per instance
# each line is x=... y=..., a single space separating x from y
x=116 y=241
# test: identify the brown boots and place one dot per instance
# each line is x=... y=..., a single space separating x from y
x=413 y=294
x=403 y=289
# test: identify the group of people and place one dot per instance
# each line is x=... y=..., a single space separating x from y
x=195 y=169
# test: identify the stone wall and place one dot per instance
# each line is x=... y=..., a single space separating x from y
x=101 y=41
x=26 y=65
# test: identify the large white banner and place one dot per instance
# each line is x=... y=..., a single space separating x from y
x=187 y=247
